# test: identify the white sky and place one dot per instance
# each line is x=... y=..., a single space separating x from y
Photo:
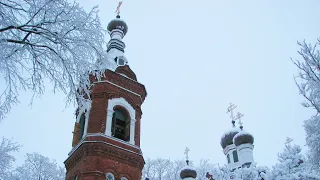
x=194 y=57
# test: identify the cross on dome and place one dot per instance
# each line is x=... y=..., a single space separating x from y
x=230 y=110
x=238 y=117
x=186 y=152
x=118 y=8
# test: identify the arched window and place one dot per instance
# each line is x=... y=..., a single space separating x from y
x=120 y=125
x=109 y=176
x=82 y=122
x=124 y=178
x=235 y=156
x=77 y=177
x=228 y=157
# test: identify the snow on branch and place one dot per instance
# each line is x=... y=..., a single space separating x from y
x=308 y=79
x=7 y=147
x=48 y=40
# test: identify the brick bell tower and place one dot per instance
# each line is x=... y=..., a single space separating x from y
x=106 y=144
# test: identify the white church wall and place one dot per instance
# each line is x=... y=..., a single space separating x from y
x=245 y=153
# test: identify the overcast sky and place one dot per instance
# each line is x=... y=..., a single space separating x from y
x=194 y=58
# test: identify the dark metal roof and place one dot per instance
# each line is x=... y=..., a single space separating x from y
x=118 y=24
x=227 y=138
x=185 y=173
x=243 y=138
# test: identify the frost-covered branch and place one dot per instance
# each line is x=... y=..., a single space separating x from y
x=6 y=158
x=308 y=80
x=38 y=167
x=48 y=40
x=308 y=83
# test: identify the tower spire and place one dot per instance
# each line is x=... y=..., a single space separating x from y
x=117 y=29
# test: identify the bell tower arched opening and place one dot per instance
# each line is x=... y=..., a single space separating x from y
x=120 y=124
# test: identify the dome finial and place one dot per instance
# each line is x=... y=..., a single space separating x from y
x=238 y=117
x=230 y=110
x=186 y=152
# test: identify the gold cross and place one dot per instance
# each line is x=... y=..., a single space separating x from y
x=118 y=8
x=239 y=116
x=186 y=152
x=230 y=110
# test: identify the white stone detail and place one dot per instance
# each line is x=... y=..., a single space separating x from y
x=229 y=150
x=132 y=129
x=109 y=176
x=86 y=122
x=109 y=121
x=245 y=153
x=132 y=113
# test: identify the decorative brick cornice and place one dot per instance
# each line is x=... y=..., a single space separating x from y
x=104 y=150
x=76 y=156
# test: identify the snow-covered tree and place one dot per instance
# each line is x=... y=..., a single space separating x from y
x=292 y=165
x=149 y=169
x=203 y=167
x=7 y=147
x=308 y=82
x=47 y=39
x=312 y=128
x=38 y=167
x=219 y=173
x=251 y=173
x=159 y=169
x=248 y=173
x=173 y=172
x=308 y=79
x=165 y=169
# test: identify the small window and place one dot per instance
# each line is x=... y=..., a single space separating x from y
x=124 y=178
x=76 y=178
x=82 y=122
x=228 y=157
x=235 y=156
x=109 y=176
x=120 y=125
x=120 y=62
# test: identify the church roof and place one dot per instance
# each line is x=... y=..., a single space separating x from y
x=227 y=137
x=118 y=24
x=243 y=137
x=187 y=172
x=125 y=70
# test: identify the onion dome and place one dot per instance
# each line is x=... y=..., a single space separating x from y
x=227 y=137
x=126 y=71
x=118 y=24
x=188 y=172
x=243 y=137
